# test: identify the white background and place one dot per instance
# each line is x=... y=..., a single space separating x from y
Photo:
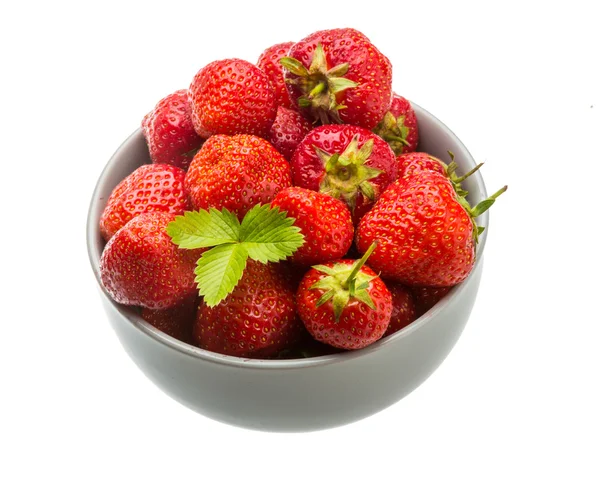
x=519 y=82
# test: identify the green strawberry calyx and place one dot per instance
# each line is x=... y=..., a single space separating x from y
x=452 y=176
x=479 y=209
x=346 y=173
x=343 y=282
x=265 y=234
x=393 y=131
x=319 y=85
x=461 y=194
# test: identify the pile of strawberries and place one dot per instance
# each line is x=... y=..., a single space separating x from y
x=286 y=212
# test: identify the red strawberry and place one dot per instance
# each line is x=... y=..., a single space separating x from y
x=232 y=97
x=169 y=131
x=426 y=298
x=403 y=307
x=269 y=62
x=156 y=187
x=287 y=131
x=141 y=266
x=236 y=172
x=257 y=319
x=344 y=303
x=417 y=162
x=399 y=126
x=339 y=76
x=426 y=232
x=324 y=221
x=177 y=321
x=346 y=162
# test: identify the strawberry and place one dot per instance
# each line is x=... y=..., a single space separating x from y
x=169 y=131
x=415 y=163
x=339 y=76
x=257 y=319
x=346 y=162
x=403 y=307
x=236 y=172
x=426 y=298
x=232 y=97
x=426 y=232
x=177 y=321
x=324 y=221
x=399 y=126
x=141 y=266
x=287 y=131
x=344 y=303
x=269 y=62
x=156 y=187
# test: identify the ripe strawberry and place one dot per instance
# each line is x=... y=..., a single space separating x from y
x=426 y=298
x=257 y=319
x=403 y=307
x=232 y=97
x=287 y=131
x=399 y=126
x=344 y=303
x=236 y=172
x=324 y=221
x=417 y=162
x=426 y=232
x=156 y=187
x=141 y=266
x=169 y=131
x=339 y=76
x=346 y=162
x=177 y=321
x=269 y=62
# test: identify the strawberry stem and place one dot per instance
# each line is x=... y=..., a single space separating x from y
x=484 y=205
x=466 y=175
x=358 y=265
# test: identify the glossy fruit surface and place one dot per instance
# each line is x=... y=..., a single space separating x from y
x=156 y=187
x=169 y=131
x=231 y=97
x=236 y=172
x=324 y=221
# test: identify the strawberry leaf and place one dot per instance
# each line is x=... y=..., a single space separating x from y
x=264 y=235
x=268 y=234
x=218 y=271
x=203 y=229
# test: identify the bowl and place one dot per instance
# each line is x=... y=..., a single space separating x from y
x=293 y=394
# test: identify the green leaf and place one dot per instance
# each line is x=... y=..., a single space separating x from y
x=269 y=235
x=219 y=270
x=264 y=235
x=203 y=229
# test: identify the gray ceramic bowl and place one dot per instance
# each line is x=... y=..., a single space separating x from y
x=293 y=394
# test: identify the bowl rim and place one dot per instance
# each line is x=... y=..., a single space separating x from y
x=92 y=231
